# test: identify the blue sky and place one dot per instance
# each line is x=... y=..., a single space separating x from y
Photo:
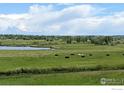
x=7 y=8
x=61 y=19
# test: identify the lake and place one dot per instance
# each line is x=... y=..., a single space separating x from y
x=21 y=48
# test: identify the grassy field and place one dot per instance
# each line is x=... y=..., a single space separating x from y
x=77 y=78
x=106 y=61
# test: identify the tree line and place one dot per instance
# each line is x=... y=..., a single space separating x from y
x=99 y=40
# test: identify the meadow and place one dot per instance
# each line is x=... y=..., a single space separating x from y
x=68 y=64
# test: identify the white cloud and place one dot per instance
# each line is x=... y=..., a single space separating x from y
x=71 y=20
x=37 y=9
x=12 y=21
x=13 y=16
x=51 y=19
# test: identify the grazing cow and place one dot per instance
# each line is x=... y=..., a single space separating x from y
x=82 y=56
x=56 y=54
x=107 y=54
x=67 y=57
x=72 y=54
x=90 y=54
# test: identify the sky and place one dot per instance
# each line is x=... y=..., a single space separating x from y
x=61 y=19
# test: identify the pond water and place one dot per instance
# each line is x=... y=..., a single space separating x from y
x=21 y=48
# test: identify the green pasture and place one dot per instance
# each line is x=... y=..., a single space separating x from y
x=11 y=60
x=77 y=78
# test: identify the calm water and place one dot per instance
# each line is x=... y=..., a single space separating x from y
x=21 y=48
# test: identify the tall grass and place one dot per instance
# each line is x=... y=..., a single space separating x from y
x=59 y=70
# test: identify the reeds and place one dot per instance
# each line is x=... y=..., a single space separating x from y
x=60 y=70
